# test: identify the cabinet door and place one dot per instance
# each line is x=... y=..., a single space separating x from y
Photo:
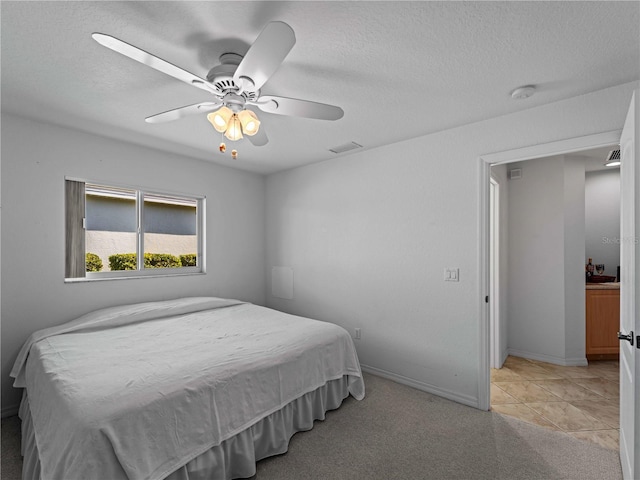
x=603 y=319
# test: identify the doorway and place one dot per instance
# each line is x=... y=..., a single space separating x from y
x=539 y=370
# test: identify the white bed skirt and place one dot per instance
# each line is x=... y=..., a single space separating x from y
x=235 y=457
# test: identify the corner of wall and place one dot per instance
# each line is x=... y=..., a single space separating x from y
x=574 y=252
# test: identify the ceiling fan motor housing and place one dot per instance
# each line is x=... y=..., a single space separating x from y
x=234 y=102
x=221 y=77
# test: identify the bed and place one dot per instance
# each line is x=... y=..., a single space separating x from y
x=183 y=389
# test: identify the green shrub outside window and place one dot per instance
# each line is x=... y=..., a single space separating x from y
x=93 y=262
x=188 y=260
x=128 y=261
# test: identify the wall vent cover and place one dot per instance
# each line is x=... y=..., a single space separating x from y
x=613 y=155
x=515 y=173
x=345 y=147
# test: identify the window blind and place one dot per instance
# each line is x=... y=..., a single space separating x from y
x=74 y=229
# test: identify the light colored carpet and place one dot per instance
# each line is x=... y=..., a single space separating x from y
x=398 y=432
x=11 y=466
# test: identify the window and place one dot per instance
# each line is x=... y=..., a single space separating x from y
x=107 y=227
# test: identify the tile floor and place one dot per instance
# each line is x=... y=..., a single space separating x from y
x=581 y=401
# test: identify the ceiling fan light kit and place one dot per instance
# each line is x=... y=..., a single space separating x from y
x=235 y=83
x=249 y=121
x=234 y=132
x=220 y=119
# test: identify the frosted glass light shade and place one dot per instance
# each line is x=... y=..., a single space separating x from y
x=234 y=132
x=220 y=119
x=249 y=121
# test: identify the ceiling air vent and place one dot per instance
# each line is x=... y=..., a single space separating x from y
x=345 y=147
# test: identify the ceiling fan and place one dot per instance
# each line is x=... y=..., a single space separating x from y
x=235 y=84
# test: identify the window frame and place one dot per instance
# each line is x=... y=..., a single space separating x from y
x=140 y=271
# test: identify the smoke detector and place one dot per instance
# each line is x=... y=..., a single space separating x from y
x=345 y=147
x=521 y=93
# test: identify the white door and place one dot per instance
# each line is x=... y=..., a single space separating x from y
x=629 y=292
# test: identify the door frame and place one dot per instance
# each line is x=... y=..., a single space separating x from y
x=485 y=162
x=494 y=273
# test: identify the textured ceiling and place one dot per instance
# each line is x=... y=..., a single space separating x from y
x=398 y=69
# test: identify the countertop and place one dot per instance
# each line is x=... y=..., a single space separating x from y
x=603 y=286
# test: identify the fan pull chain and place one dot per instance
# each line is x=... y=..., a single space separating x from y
x=223 y=148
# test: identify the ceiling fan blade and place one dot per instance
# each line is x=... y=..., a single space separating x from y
x=260 y=138
x=150 y=60
x=266 y=54
x=177 y=113
x=298 y=108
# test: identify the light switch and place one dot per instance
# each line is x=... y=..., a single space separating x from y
x=451 y=275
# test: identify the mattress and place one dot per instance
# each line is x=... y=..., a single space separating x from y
x=138 y=392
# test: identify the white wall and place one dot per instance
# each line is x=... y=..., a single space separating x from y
x=536 y=260
x=546 y=269
x=602 y=217
x=368 y=236
x=35 y=159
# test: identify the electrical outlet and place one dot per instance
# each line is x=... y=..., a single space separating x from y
x=357 y=333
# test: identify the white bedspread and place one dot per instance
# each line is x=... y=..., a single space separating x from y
x=120 y=395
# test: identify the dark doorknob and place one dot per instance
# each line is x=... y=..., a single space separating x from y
x=628 y=338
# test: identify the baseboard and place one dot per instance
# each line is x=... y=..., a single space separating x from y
x=9 y=411
x=425 y=387
x=564 y=362
x=603 y=356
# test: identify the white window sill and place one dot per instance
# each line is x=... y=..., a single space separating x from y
x=130 y=276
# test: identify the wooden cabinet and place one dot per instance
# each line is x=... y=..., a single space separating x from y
x=603 y=323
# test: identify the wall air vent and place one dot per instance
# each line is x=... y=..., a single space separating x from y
x=614 y=155
x=515 y=173
x=345 y=147
x=613 y=159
